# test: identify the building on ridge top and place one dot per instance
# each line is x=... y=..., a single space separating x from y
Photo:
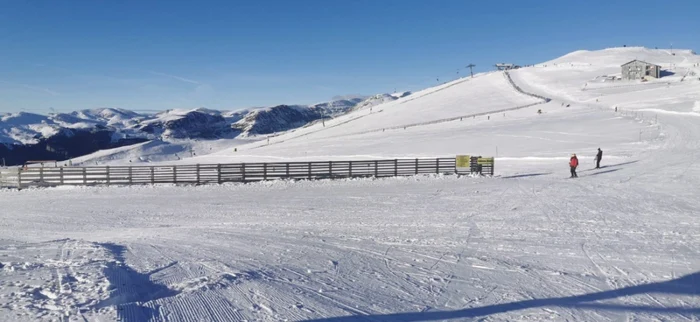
x=638 y=69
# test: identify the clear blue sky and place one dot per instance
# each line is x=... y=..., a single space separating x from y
x=152 y=55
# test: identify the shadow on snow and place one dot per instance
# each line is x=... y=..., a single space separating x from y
x=688 y=285
x=604 y=172
x=612 y=165
x=525 y=175
x=131 y=289
x=666 y=73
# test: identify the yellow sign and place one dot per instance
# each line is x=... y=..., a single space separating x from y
x=484 y=161
x=463 y=161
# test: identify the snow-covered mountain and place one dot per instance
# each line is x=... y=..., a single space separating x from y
x=183 y=124
x=28 y=128
x=123 y=127
x=379 y=99
x=277 y=119
x=339 y=106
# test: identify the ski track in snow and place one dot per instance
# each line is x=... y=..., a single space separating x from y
x=617 y=244
x=408 y=244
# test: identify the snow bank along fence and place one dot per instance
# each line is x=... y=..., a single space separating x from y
x=244 y=172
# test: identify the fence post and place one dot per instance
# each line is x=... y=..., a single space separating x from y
x=416 y=166
x=396 y=167
x=198 y=175
x=61 y=175
x=84 y=175
x=309 y=170
x=19 y=178
x=153 y=175
x=243 y=171
x=218 y=173
x=265 y=171
x=330 y=169
x=287 y=169
x=174 y=174
x=376 y=169
x=41 y=173
x=108 y=176
x=437 y=166
x=350 y=169
x=131 y=175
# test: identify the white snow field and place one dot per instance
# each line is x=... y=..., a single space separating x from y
x=619 y=243
x=156 y=151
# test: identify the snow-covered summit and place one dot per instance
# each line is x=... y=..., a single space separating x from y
x=619 y=55
x=380 y=99
x=107 y=115
x=337 y=107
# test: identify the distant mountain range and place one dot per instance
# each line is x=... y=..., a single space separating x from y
x=60 y=136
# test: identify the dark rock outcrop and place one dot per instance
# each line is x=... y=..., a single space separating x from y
x=67 y=144
x=277 y=119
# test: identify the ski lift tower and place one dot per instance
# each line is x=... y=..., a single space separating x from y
x=471 y=70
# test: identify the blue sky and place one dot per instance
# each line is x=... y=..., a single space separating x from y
x=154 y=55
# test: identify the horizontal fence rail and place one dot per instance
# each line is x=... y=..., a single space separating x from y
x=237 y=172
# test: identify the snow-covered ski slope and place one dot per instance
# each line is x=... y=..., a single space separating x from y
x=616 y=244
x=466 y=97
x=412 y=127
x=156 y=151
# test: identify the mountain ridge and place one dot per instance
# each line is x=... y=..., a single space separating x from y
x=24 y=134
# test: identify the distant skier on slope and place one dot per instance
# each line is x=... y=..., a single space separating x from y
x=573 y=163
x=598 y=157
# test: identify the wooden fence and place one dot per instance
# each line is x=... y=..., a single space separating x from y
x=239 y=172
x=9 y=178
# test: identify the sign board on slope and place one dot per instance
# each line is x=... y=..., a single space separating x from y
x=463 y=161
x=484 y=161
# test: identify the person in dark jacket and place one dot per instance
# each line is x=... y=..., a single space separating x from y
x=573 y=163
x=598 y=157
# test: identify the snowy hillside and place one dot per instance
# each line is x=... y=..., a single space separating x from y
x=337 y=107
x=277 y=119
x=617 y=243
x=378 y=99
x=364 y=132
x=414 y=126
x=167 y=151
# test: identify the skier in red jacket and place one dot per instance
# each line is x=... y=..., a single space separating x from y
x=573 y=163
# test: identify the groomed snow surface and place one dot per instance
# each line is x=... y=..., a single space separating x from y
x=619 y=243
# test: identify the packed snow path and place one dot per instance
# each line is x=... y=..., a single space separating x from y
x=422 y=248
